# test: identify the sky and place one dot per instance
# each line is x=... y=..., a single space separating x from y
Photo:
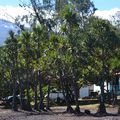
x=106 y=4
x=106 y=8
x=9 y=2
x=100 y=4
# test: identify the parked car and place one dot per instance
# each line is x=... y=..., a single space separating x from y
x=8 y=100
x=56 y=96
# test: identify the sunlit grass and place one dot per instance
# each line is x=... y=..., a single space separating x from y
x=90 y=106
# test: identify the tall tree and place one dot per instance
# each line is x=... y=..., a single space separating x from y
x=26 y=56
x=102 y=43
x=75 y=17
x=12 y=51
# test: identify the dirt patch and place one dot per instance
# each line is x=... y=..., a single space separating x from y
x=57 y=113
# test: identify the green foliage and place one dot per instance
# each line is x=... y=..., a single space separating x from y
x=102 y=44
x=76 y=54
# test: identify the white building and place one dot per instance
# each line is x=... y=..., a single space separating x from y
x=86 y=90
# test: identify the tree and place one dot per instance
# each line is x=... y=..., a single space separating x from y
x=12 y=52
x=4 y=73
x=26 y=57
x=101 y=44
x=75 y=18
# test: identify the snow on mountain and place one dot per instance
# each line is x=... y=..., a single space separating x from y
x=5 y=27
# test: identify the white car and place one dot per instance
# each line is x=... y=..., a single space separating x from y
x=56 y=96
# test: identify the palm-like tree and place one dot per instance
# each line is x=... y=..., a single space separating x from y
x=102 y=44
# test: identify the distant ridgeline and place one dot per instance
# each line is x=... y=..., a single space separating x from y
x=5 y=27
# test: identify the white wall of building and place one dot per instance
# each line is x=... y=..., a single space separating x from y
x=84 y=92
x=97 y=88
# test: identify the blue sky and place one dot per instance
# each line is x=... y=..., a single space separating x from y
x=106 y=4
x=9 y=2
x=100 y=4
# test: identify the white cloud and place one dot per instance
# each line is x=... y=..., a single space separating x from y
x=107 y=14
x=10 y=13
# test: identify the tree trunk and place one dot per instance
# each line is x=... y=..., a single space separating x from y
x=77 y=109
x=28 y=107
x=68 y=103
x=13 y=77
x=48 y=98
x=108 y=94
x=35 y=92
x=102 y=108
x=67 y=98
x=20 y=90
x=65 y=94
x=108 y=89
x=21 y=93
x=14 y=104
x=114 y=91
x=41 y=105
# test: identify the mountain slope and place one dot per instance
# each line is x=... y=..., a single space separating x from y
x=5 y=27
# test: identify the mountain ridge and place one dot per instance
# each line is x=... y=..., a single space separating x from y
x=5 y=27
